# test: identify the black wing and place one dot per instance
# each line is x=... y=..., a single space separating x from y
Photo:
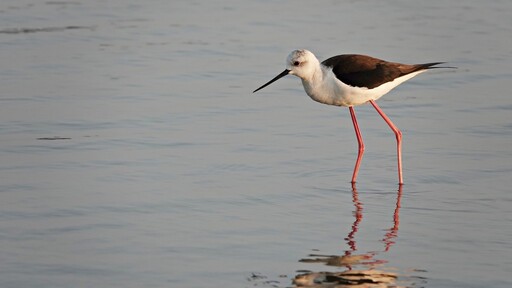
x=365 y=71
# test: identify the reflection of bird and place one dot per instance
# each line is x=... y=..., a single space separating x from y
x=351 y=80
x=388 y=239
x=368 y=276
x=354 y=278
x=393 y=231
x=335 y=260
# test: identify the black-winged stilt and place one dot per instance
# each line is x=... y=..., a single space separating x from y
x=351 y=80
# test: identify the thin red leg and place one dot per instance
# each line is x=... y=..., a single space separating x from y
x=360 y=143
x=398 y=135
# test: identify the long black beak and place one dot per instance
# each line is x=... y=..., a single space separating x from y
x=284 y=73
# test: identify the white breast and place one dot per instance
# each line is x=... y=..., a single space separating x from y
x=327 y=89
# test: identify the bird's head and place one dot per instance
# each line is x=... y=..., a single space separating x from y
x=301 y=63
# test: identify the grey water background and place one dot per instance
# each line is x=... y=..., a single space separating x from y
x=134 y=154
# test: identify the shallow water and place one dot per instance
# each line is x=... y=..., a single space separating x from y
x=135 y=155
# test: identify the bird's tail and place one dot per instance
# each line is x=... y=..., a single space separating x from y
x=433 y=66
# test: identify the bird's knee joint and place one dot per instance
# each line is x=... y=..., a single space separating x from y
x=398 y=134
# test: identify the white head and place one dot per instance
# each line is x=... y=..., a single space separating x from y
x=301 y=63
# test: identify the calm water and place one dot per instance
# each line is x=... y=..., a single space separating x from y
x=133 y=153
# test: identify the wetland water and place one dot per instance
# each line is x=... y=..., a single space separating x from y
x=133 y=153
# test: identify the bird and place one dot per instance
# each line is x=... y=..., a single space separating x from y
x=350 y=80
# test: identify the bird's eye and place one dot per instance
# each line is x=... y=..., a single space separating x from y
x=296 y=63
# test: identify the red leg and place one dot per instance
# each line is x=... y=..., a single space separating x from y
x=359 y=141
x=398 y=135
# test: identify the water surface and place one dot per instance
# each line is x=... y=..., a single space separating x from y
x=135 y=155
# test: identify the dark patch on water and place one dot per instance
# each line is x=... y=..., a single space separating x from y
x=43 y=29
x=54 y=138
x=261 y=280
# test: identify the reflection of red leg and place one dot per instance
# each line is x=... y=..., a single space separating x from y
x=398 y=135
x=358 y=215
x=360 y=143
x=393 y=232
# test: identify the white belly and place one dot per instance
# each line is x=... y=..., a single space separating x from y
x=332 y=91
